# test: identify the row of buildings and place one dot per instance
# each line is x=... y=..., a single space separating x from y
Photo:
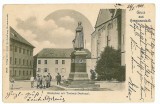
x=21 y=56
x=109 y=31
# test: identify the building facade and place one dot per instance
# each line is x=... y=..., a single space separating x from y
x=21 y=57
x=109 y=31
x=57 y=60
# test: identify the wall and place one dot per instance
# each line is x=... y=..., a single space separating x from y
x=93 y=49
x=114 y=30
x=53 y=68
x=123 y=18
x=113 y=34
x=18 y=70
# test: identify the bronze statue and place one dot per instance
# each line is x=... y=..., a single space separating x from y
x=78 y=42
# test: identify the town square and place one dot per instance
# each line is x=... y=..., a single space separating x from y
x=94 y=61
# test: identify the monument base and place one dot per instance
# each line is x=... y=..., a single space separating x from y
x=78 y=76
x=81 y=84
x=80 y=80
x=78 y=66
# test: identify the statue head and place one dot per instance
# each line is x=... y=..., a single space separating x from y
x=79 y=23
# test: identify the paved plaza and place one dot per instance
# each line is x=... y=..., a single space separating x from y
x=26 y=85
x=104 y=86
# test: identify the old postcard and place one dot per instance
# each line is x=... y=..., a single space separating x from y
x=79 y=53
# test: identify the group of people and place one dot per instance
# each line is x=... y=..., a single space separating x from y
x=43 y=81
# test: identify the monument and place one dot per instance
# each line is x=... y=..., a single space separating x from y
x=78 y=58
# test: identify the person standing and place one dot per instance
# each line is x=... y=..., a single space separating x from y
x=44 y=82
x=12 y=82
x=93 y=74
x=38 y=80
x=47 y=81
x=58 y=78
x=50 y=79
x=32 y=82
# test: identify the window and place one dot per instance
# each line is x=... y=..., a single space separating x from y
x=15 y=72
x=19 y=72
x=23 y=51
x=39 y=61
x=27 y=52
x=108 y=40
x=45 y=70
x=19 y=50
x=27 y=72
x=23 y=62
x=11 y=47
x=45 y=61
x=27 y=62
x=39 y=70
x=30 y=63
x=23 y=72
x=30 y=72
x=56 y=61
x=10 y=60
x=30 y=53
x=15 y=49
x=63 y=61
x=15 y=61
x=19 y=61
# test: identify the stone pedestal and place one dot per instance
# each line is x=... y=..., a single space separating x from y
x=78 y=77
x=78 y=66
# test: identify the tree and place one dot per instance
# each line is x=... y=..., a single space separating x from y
x=109 y=65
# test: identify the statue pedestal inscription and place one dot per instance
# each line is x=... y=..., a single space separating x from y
x=78 y=66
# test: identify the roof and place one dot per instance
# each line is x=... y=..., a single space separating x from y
x=105 y=15
x=17 y=37
x=58 y=53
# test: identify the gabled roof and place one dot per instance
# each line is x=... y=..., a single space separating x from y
x=106 y=15
x=17 y=37
x=58 y=53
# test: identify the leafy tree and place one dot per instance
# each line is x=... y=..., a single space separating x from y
x=109 y=65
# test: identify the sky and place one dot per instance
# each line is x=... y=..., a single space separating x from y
x=52 y=26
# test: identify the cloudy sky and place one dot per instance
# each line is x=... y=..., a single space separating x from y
x=50 y=26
